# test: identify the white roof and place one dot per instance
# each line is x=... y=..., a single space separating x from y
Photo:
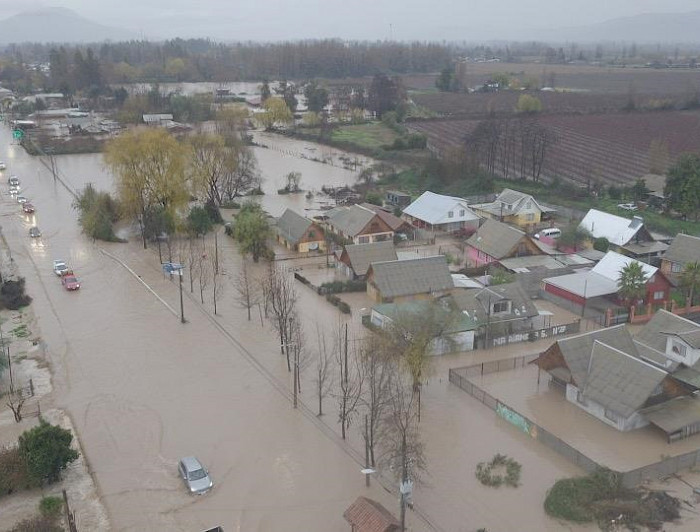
x=433 y=208
x=462 y=281
x=601 y=280
x=611 y=265
x=616 y=229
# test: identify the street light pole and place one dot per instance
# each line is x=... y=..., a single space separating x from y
x=182 y=306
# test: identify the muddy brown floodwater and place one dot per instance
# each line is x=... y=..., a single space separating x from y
x=144 y=390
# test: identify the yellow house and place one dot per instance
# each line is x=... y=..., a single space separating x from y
x=298 y=233
x=515 y=208
x=397 y=281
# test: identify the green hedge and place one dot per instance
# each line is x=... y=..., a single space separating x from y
x=338 y=287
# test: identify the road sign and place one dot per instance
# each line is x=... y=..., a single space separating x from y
x=17 y=134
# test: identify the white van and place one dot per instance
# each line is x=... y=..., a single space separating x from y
x=552 y=232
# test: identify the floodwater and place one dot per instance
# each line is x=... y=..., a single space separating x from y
x=144 y=390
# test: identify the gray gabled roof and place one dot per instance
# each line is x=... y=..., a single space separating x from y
x=684 y=249
x=476 y=302
x=292 y=226
x=576 y=350
x=362 y=255
x=675 y=414
x=350 y=220
x=496 y=239
x=413 y=276
x=619 y=381
x=651 y=340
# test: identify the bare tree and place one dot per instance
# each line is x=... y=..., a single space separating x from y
x=15 y=403
x=377 y=370
x=293 y=181
x=248 y=295
x=217 y=285
x=241 y=174
x=324 y=378
x=402 y=450
x=192 y=250
x=204 y=274
x=350 y=385
x=282 y=301
x=264 y=292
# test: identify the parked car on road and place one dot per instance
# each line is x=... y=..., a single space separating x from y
x=70 y=282
x=21 y=199
x=14 y=190
x=34 y=232
x=28 y=208
x=194 y=475
x=2 y=165
x=13 y=181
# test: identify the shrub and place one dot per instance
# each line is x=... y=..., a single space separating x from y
x=500 y=470
x=375 y=198
x=12 y=294
x=601 y=244
x=47 y=451
x=337 y=287
x=51 y=506
x=198 y=221
x=13 y=471
x=37 y=524
x=336 y=301
x=213 y=212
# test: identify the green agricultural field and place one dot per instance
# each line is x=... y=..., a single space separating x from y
x=367 y=136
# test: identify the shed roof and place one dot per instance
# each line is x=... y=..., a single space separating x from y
x=619 y=381
x=616 y=229
x=413 y=276
x=350 y=220
x=675 y=414
x=367 y=515
x=684 y=249
x=362 y=255
x=291 y=226
x=496 y=239
x=434 y=208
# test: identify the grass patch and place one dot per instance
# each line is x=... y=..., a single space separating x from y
x=601 y=498
x=20 y=331
x=366 y=136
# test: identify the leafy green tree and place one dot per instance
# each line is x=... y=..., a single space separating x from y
x=639 y=189
x=502 y=79
x=265 y=91
x=276 y=112
x=198 y=221
x=252 y=230
x=446 y=81
x=288 y=92
x=47 y=451
x=12 y=295
x=601 y=244
x=683 y=185
x=632 y=282
x=572 y=237
x=316 y=97
x=690 y=280
x=529 y=104
x=385 y=94
x=97 y=211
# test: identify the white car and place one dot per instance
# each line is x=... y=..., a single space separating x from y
x=22 y=199
x=60 y=268
x=3 y=166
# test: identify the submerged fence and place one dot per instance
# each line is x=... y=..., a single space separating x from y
x=461 y=377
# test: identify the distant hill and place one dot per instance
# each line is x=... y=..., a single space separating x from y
x=644 y=28
x=57 y=24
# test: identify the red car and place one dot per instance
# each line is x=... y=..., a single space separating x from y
x=70 y=282
x=28 y=208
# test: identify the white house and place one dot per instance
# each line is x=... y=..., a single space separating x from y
x=441 y=213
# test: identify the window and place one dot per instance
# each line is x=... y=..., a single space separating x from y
x=461 y=213
x=676 y=267
x=530 y=217
x=451 y=214
x=611 y=415
x=363 y=240
x=500 y=306
x=678 y=349
x=659 y=295
x=312 y=234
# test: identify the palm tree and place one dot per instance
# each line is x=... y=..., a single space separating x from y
x=690 y=280
x=632 y=282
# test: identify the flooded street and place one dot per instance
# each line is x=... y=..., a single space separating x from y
x=143 y=390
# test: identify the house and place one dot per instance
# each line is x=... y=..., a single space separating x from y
x=367 y=515
x=629 y=237
x=684 y=249
x=459 y=333
x=397 y=199
x=630 y=381
x=404 y=280
x=298 y=233
x=495 y=241
x=602 y=281
x=397 y=225
x=355 y=259
x=441 y=213
x=516 y=208
x=160 y=119
x=498 y=310
x=358 y=224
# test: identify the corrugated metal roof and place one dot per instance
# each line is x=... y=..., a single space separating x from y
x=350 y=220
x=459 y=322
x=476 y=302
x=684 y=249
x=496 y=239
x=675 y=414
x=392 y=221
x=612 y=264
x=292 y=226
x=652 y=342
x=362 y=255
x=619 y=381
x=584 y=284
x=616 y=229
x=508 y=197
x=434 y=208
x=413 y=276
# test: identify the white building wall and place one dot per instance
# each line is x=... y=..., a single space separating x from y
x=597 y=410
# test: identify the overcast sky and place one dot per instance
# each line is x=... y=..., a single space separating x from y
x=350 y=19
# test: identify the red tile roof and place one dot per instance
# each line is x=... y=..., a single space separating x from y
x=366 y=515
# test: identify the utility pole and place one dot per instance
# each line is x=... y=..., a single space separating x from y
x=182 y=306
x=367 y=451
x=216 y=252
x=404 y=481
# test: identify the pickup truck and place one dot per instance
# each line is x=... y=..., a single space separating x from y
x=60 y=268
